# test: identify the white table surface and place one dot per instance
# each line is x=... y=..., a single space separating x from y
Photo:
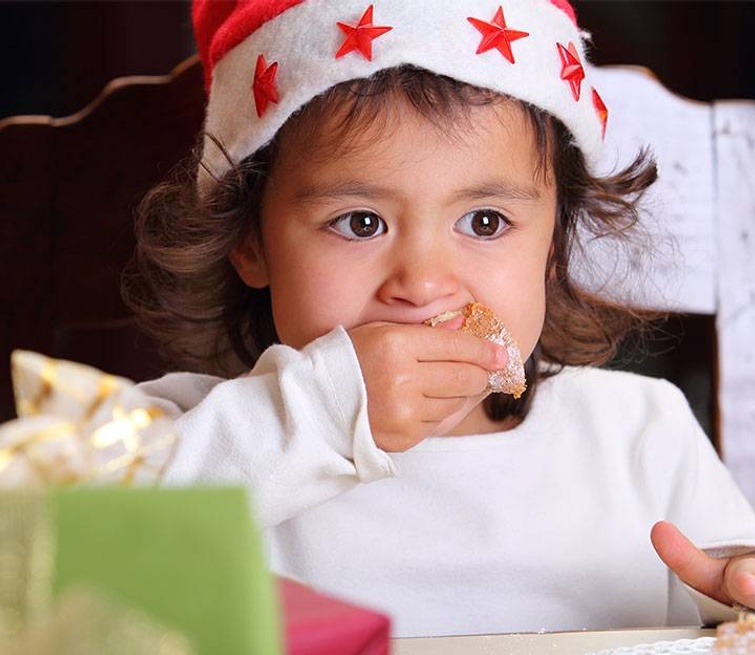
x=555 y=643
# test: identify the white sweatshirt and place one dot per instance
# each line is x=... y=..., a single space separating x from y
x=543 y=527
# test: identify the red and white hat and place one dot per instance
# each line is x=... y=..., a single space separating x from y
x=265 y=59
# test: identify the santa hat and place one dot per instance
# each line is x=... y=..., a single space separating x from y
x=265 y=59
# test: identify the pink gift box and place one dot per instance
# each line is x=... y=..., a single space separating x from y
x=316 y=624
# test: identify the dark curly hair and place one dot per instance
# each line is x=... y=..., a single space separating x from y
x=189 y=298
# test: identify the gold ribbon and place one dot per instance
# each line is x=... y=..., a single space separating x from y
x=86 y=622
x=27 y=556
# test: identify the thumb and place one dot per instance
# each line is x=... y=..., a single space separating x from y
x=740 y=579
x=693 y=566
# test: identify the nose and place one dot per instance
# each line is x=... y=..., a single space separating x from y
x=419 y=272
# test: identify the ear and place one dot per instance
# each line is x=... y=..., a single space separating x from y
x=248 y=258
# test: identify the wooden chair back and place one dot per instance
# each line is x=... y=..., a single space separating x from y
x=68 y=191
x=702 y=211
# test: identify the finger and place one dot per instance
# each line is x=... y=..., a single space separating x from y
x=453 y=379
x=692 y=565
x=435 y=410
x=456 y=346
x=739 y=580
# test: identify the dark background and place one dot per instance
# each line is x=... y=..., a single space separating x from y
x=58 y=55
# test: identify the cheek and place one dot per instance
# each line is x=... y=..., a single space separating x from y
x=520 y=301
x=533 y=299
x=525 y=320
x=309 y=300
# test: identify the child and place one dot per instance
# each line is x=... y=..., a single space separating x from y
x=365 y=168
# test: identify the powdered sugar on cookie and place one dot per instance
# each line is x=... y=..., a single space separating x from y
x=736 y=637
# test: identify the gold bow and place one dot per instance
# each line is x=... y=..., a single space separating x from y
x=76 y=425
x=79 y=425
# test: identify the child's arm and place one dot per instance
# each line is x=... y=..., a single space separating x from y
x=421 y=381
x=728 y=580
x=294 y=430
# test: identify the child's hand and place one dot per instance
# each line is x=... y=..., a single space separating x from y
x=728 y=580
x=421 y=381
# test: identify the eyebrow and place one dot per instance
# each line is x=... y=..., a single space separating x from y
x=502 y=189
x=312 y=194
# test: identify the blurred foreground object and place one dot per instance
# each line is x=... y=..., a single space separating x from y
x=79 y=425
x=181 y=569
x=96 y=559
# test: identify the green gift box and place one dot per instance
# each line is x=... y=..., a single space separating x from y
x=189 y=559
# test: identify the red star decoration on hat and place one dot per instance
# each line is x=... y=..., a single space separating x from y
x=264 y=86
x=601 y=110
x=497 y=35
x=361 y=36
x=571 y=68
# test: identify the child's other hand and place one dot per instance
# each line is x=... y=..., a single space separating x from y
x=421 y=381
x=728 y=580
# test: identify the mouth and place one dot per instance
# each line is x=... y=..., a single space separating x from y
x=452 y=319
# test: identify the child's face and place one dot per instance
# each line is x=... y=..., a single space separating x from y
x=405 y=222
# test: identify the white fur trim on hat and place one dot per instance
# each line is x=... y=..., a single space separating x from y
x=304 y=39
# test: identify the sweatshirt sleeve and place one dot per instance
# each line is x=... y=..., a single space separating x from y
x=718 y=518
x=294 y=430
x=702 y=498
x=724 y=528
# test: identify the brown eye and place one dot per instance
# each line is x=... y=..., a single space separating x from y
x=359 y=225
x=482 y=223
